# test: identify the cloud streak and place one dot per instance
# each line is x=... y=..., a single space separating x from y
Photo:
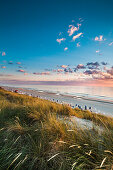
x=60 y=40
x=77 y=36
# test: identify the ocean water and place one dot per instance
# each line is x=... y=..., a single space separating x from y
x=105 y=93
x=101 y=93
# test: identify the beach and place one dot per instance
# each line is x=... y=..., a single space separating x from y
x=94 y=104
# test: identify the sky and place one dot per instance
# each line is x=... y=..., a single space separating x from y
x=56 y=42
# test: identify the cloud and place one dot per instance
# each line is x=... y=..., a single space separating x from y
x=96 y=64
x=97 y=51
x=80 y=66
x=18 y=63
x=64 y=66
x=60 y=70
x=100 y=38
x=77 y=36
x=66 y=48
x=3 y=53
x=60 y=33
x=110 y=71
x=60 y=40
x=68 y=70
x=42 y=73
x=21 y=70
x=72 y=29
x=3 y=66
x=25 y=73
x=104 y=63
x=10 y=62
x=110 y=43
x=5 y=75
x=78 y=44
x=88 y=72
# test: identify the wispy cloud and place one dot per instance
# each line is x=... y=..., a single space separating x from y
x=42 y=73
x=3 y=53
x=78 y=44
x=110 y=43
x=60 y=40
x=21 y=70
x=66 y=48
x=77 y=36
x=99 y=38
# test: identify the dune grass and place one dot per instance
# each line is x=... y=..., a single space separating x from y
x=33 y=136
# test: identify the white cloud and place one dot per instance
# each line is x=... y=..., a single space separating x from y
x=78 y=44
x=66 y=48
x=100 y=38
x=97 y=51
x=61 y=39
x=110 y=43
x=77 y=36
x=72 y=29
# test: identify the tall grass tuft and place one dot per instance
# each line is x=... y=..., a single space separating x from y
x=38 y=134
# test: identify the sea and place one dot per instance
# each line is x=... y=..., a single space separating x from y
x=95 y=92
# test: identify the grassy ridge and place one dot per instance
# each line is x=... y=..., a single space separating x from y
x=33 y=136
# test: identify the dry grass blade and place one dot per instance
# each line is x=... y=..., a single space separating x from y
x=53 y=157
x=103 y=162
x=17 y=156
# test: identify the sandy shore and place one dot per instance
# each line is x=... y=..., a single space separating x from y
x=97 y=105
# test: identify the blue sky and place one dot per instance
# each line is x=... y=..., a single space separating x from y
x=29 y=30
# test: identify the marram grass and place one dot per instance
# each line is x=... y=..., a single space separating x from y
x=35 y=134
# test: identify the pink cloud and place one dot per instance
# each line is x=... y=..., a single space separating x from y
x=66 y=48
x=110 y=43
x=25 y=73
x=72 y=30
x=100 y=38
x=78 y=44
x=77 y=36
x=60 y=70
x=3 y=53
x=21 y=71
x=18 y=62
x=3 y=66
x=60 y=40
x=64 y=66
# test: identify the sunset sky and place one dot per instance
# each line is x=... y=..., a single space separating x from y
x=55 y=41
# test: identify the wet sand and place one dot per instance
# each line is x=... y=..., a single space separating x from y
x=97 y=105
